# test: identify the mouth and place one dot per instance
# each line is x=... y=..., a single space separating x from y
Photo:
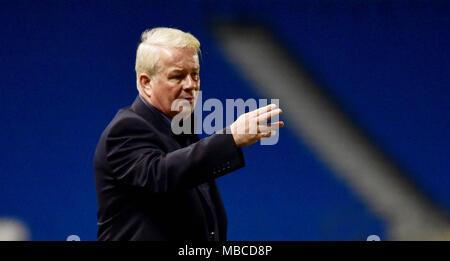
x=190 y=99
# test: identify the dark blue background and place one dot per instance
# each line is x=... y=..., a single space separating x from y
x=68 y=66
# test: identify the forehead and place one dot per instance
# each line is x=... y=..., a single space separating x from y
x=179 y=58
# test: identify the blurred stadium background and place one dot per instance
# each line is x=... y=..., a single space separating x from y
x=364 y=86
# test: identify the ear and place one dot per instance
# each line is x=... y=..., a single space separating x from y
x=146 y=84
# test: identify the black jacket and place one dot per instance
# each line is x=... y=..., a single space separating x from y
x=147 y=178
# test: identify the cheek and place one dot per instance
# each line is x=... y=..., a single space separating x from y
x=170 y=93
x=174 y=90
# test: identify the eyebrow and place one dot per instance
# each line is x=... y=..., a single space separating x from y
x=174 y=71
x=177 y=70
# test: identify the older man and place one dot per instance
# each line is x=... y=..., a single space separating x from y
x=155 y=185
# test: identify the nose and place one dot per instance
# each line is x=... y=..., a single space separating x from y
x=191 y=83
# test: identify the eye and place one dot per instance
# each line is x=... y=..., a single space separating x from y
x=177 y=77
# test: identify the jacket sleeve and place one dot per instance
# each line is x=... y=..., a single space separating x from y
x=135 y=157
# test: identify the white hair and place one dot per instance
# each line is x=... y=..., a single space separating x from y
x=147 y=54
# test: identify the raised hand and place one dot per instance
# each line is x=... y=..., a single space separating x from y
x=252 y=126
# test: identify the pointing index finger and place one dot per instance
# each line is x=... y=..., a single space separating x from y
x=268 y=115
x=262 y=110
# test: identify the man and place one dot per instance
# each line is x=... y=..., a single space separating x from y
x=152 y=184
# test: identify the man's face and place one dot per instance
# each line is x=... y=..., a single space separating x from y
x=177 y=78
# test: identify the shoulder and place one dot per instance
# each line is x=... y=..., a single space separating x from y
x=129 y=121
x=126 y=124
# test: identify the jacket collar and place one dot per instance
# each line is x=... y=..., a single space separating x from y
x=150 y=114
x=156 y=117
